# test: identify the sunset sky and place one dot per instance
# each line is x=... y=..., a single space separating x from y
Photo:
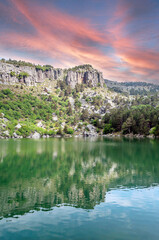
x=118 y=37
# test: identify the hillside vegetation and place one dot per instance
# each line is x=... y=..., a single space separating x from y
x=24 y=112
x=133 y=88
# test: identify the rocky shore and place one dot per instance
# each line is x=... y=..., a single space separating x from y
x=85 y=134
x=130 y=136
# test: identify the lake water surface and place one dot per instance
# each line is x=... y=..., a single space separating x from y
x=79 y=189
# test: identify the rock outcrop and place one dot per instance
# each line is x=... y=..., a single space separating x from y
x=91 y=77
x=11 y=74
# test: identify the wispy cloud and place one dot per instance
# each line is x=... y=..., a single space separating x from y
x=116 y=48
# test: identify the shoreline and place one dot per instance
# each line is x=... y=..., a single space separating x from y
x=110 y=136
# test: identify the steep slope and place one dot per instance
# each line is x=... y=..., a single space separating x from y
x=41 y=101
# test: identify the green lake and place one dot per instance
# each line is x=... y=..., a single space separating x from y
x=79 y=189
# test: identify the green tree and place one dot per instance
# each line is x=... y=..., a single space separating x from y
x=84 y=115
x=155 y=130
x=108 y=128
x=128 y=125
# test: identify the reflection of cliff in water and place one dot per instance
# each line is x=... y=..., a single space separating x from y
x=46 y=173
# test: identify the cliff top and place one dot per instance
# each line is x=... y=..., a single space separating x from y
x=80 y=68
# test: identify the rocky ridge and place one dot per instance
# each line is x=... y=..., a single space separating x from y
x=11 y=74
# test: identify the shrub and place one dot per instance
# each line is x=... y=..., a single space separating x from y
x=12 y=74
x=43 y=68
x=77 y=103
x=22 y=75
x=7 y=91
x=84 y=115
x=68 y=130
x=155 y=130
x=60 y=132
x=11 y=127
x=108 y=128
x=18 y=63
x=51 y=132
x=24 y=131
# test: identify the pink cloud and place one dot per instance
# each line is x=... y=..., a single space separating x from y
x=59 y=35
x=70 y=41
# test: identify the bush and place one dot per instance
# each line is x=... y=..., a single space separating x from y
x=43 y=68
x=22 y=75
x=60 y=132
x=50 y=132
x=24 y=131
x=108 y=129
x=84 y=115
x=77 y=103
x=7 y=91
x=155 y=130
x=11 y=127
x=68 y=130
x=18 y=63
x=12 y=74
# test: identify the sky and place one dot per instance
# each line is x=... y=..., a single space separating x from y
x=118 y=37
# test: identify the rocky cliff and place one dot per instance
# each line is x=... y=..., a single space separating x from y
x=85 y=74
x=31 y=76
x=11 y=74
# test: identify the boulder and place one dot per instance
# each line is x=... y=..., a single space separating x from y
x=6 y=133
x=5 y=120
x=15 y=135
x=54 y=117
x=3 y=125
x=63 y=125
x=36 y=135
x=151 y=136
x=72 y=101
x=1 y=115
x=18 y=126
x=91 y=131
x=39 y=124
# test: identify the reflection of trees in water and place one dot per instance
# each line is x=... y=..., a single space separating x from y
x=46 y=173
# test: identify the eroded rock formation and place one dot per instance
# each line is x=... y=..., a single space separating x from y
x=11 y=74
x=91 y=77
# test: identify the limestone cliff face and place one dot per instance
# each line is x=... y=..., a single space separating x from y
x=91 y=77
x=9 y=75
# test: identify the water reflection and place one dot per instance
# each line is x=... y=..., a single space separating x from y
x=37 y=174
